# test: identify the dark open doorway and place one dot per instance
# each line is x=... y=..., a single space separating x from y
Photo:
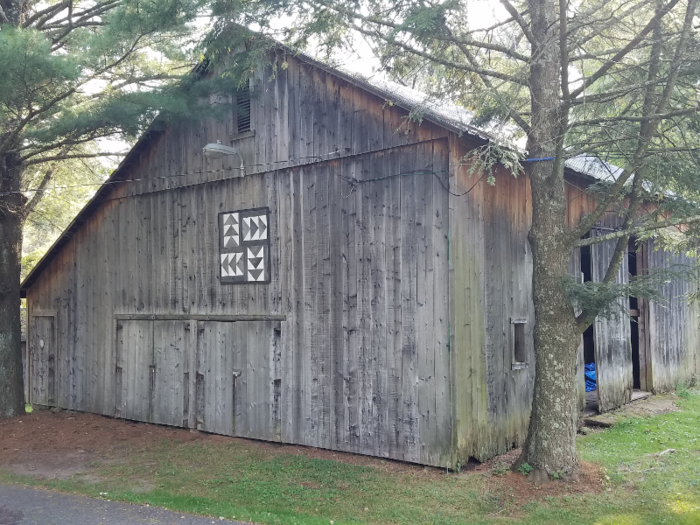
x=634 y=315
x=638 y=323
x=589 y=342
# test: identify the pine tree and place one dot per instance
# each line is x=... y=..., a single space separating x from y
x=617 y=79
x=73 y=71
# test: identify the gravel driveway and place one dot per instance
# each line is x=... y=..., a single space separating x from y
x=25 y=506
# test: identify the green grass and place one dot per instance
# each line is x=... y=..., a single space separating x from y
x=242 y=480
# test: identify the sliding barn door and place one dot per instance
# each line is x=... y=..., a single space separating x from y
x=170 y=373
x=220 y=377
x=613 y=350
x=152 y=379
x=133 y=371
x=238 y=379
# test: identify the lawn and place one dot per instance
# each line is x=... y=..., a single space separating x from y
x=263 y=484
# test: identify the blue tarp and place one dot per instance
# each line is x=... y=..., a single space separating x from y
x=590 y=377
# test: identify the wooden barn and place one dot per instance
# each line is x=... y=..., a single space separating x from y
x=341 y=282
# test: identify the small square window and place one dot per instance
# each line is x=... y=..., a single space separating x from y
x=519 y=343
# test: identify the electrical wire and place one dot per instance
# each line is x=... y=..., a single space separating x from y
x=174 y=175
x=353 y=182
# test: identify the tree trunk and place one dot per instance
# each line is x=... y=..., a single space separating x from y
x=551 y=443
x=11 y=220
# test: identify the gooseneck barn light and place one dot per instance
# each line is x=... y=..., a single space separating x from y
x=217 y=150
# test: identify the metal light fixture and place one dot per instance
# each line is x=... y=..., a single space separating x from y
x=217 y=150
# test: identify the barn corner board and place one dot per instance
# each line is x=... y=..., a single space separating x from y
x=325 y=289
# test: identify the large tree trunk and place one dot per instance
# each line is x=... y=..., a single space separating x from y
x=551 y=443
x=11 y=220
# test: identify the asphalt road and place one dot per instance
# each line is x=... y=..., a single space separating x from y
x=29 y=506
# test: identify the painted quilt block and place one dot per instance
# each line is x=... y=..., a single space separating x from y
x=244 y=246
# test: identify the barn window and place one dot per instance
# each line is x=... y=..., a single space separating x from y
x=244 y=246
x=519 y=343
x=243 y=111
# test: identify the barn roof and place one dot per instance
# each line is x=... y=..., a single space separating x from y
x=445 y=114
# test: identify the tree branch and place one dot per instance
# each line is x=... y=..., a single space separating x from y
x=637 y=230
x=564 y=52
x=512 y=11
x=45 y=179
x=631 y=45
x=648 y=118
x=49 y=12
x=428 y=56
x=519 y=120
x=42 y=160
x=452 y=39
x=648 y=128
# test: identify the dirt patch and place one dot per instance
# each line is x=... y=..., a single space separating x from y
x=522 y=490
x=499 y=462
x=652 y=406
x=58 y=445
x=66 y=444
x=515 y=489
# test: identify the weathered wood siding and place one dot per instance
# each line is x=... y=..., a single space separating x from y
x=490 y=283
x=574 y=271
x=612 y=335
x=360 y=360
x=672 y=335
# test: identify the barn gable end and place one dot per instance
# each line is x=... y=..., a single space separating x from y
x=344 y=348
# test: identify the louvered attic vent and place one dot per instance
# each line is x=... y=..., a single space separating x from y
x=243 y=111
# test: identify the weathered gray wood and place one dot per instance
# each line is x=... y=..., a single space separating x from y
x=323 y=361
x=574 y=271
x=439 y=451
x=670 y=325
x=199 y=317
x=394 y=239
x=42 y=359
x=409 y=351
x=171 y=373
x=613 y=353
x=134 y=370
x=286 y=233
x=300 y=363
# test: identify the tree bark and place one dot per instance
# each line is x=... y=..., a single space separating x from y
x=551 y=443
x=11 y=220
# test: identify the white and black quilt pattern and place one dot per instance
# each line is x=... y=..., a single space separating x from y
x=244 y=246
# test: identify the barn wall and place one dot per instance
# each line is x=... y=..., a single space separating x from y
x=673 y=323
x=491 y=274
x=359 y=281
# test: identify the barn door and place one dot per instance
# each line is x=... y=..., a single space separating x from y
x=613 y=351
x=238 y=385
x=133 y=371
x=152 y=377
x=42 y=348
x=170 y=373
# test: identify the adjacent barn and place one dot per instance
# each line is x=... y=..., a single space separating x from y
x=342 y=281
